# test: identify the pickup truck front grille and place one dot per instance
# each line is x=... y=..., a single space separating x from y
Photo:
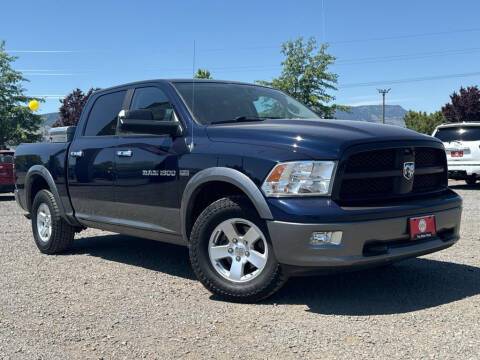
x=372 y=160
x=378 y=175
x=427 y=182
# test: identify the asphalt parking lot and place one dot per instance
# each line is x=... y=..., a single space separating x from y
x=118 y=297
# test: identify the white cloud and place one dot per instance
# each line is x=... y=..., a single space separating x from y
x=40 y=51
x=48 y=96
x=364 y=97
x=47 y=74
x=378 y=101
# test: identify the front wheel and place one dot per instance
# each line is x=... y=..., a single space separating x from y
x=471 y=180
x=231 y=253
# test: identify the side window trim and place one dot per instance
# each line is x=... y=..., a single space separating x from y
x=127 y=101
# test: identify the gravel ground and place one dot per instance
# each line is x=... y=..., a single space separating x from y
x=118 y=297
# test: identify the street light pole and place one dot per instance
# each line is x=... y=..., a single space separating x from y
x=383 y=92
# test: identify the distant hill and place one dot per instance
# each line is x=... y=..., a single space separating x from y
x=373 y=113
x=50 y=118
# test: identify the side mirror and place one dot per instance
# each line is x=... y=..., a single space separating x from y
x=141 y=122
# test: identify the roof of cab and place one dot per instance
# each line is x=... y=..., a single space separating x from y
x=172 y=81
x=459 y=124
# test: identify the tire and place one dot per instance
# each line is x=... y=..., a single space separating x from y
x=221 y=276
x=60 y=235
x=471 y=180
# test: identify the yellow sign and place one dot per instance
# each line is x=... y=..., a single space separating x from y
x=33 y=105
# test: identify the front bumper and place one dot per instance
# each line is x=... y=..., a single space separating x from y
x=291 y=241
x=7 y=188
x=459 y=170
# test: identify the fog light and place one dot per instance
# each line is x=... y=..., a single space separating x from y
x=326 y=238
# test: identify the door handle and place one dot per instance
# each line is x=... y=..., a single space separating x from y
x=76 y=154
x=124 y=153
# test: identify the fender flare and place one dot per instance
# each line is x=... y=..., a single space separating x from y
x=42 y=171
x=228 y=175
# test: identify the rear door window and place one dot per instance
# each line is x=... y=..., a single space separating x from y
x=102 y=120
x=460 y=133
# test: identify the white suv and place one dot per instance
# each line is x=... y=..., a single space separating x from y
x=462 y=144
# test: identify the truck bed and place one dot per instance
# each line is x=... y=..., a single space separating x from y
x=52 y=156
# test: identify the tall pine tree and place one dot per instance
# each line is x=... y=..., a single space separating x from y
x=17 y=122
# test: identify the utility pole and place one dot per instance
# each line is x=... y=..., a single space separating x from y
x=383 y=92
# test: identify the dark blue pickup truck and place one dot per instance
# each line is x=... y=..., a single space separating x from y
x=253 y=182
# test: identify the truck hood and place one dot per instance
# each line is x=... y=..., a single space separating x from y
x=326 y=139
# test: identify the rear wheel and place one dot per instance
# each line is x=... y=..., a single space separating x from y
x=51 y=232
x=231 y=253
x=471 y=180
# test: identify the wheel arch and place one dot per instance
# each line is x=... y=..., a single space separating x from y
x=38 y=178
x=222 y=175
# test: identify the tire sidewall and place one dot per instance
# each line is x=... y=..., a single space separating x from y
x=43 y=198
x=471 y=180
x=200 y=242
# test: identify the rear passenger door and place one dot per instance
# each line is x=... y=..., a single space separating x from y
x=91 y=169
x=146 y=188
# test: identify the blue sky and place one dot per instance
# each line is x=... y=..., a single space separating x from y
x=417 y=48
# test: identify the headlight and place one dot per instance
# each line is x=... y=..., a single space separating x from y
x=300 y=178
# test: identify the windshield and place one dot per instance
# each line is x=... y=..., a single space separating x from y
x=462 y=133
x=6 y=158
x=222 y=102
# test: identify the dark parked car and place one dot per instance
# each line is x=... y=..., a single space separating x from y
x=253 y=182
x=7 y=179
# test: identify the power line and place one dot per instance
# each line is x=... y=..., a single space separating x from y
x=394 y=37
x=407 y=36
x=408 y=80
x=411 y=56
x=353 y=61
x=240 y=68
x=259 y=47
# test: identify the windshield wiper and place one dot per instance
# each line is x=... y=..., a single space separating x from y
x=244 y=119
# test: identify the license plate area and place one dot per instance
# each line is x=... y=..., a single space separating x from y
x=422 y=227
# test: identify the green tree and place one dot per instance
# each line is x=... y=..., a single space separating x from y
x=17 y=123
x=422 y=122
x=305 y=75
x=203 y=74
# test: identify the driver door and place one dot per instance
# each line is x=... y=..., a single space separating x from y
x=146 y=186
